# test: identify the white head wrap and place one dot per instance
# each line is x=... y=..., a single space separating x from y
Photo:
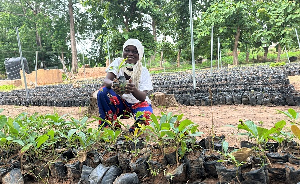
x=137 y=44
x=137 y=68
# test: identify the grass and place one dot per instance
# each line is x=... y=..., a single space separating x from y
x=8 y=87
x=227 y=60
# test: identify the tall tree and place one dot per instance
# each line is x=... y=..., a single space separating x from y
x=73 y=41
x=154 y=17
x=283 y=15
x=123 y=19
x=179 y=24
x=230 y=19
x=42 y=26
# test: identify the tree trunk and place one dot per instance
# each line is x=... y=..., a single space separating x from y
x=149 y=63
x=38 y=38
x=178 y=57
x=154 y=30
x=152 y=58
x=73 y=41
x=266 y=49
x=162 y=51
x=61 y=58
x=236 y=42
x=247 y=56
x=278 y=52
x=161 y=58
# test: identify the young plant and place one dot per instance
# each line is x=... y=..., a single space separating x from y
x=81 y=136
x=135 y=138
x=293 y=115
x=263 y=135
x=110 y=136
x=172 y=128
x=231 y=157
x=158 y=127
x=120 y=83
x=120 y=66
x=182 y=132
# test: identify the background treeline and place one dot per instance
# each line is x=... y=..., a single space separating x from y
x=245 y=27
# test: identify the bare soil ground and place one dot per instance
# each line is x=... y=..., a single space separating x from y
x=223 y=118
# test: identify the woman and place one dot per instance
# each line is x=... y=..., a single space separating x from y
x=112 y=103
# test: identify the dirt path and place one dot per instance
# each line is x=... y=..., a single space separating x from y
x=225 y=118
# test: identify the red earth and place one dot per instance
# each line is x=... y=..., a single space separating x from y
x=223 y=118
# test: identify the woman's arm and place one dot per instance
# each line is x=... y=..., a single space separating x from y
x=108 y=81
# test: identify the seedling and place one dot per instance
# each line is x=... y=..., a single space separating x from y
x=263 y=135
x=120 y=83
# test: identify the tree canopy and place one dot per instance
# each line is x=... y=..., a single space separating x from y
x=161 y=25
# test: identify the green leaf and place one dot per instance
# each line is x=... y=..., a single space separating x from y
x=293 y=113
x=41 y=140
x=20 y=142
x=25 y=148
x=84 y=120
x=3 y=140
x=170 y=135
x=82 y=138
x=225 y=146
x=169 y=116
x=173 y=120
x=183 y=147
x=261 y=132
x=3 y=121
x=165 y=126
x=184 y=124
x=288 y=114
x=249 y=126
x=277 y=127
x=163 y=119
x=179 y=117
x=71 y=132
x=9 y=138
x=51 y=134
x=154 y=122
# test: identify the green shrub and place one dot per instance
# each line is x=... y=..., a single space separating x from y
x=277 y=64
x=8 y=87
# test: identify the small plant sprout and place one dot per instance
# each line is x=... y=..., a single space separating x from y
x=234 y=156
x=293 y=115
x=263 y=135
x=123 y=64
x=260 y=134
x=178 y=131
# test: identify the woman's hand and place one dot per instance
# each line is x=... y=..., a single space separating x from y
x=116 y=87
x=130 y=87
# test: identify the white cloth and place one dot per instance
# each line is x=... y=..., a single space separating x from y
x=137 y=44
x=145 y=81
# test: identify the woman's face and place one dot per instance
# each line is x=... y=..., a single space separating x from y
x=131 y=53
